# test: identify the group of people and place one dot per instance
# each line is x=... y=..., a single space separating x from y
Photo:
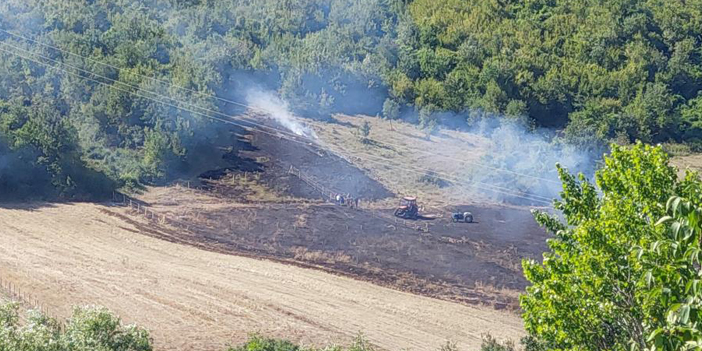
x=347 y=200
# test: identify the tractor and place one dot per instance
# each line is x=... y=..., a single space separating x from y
x=408 y=208
x=465 y=217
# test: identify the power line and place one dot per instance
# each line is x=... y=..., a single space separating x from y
x=499 y=169
x=532 y=197
x=163 y=81
x=151 y=92
x=153 y=79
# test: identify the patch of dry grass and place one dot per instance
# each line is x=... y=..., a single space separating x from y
x=400 y=157
x=692 y=162
x=305 y=254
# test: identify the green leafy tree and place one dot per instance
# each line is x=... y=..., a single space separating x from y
x=606 y=282
x=391 y=109
x=673 y=298
x=633 y=53
x=90 y=329
x=364 y=132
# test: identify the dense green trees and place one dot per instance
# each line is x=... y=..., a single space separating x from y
x=622 y=270
x=626 y=67
x=86 y=125
x=617 y=70
x=322 y=55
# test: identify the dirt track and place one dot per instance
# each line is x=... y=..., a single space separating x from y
x=472 y=263
x=255 y=206
x=197 y=300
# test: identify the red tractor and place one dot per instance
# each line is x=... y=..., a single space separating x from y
x=408 y=208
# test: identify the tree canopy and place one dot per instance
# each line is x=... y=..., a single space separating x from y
x=625 y=70
x=89 y=329
x=622 y=270
x=627 y=67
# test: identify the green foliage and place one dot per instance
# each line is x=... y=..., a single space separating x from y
x=391 y=109
x=260 y=343
x=364 y=132
x=90 y=329
x=365 y=129
x=691 y=115
x=491 y=344
x=629 y=279
x=673 y=298
x=611 y=67
x=619 y=71
x=322 y=55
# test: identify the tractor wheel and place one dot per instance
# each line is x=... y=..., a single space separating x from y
x=398 y=213
x=468 y=218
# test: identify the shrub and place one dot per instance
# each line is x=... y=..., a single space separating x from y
x=259 y=343
x=430 y=177
x=391 y=109
x=491 y=344
x=364 y=132
x=90 y=328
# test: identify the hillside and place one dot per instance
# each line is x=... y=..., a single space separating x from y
x=113 y=94
x=194 y=299
x=416 y=170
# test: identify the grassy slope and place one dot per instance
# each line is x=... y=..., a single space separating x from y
x=72 y=254
x=692 y=162
x=400 y=154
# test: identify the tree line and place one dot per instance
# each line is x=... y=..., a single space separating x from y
x=621 y=70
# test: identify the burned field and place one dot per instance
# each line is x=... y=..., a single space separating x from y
x=259 y=208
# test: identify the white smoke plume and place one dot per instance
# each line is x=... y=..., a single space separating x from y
x=523 y=161
x=269 y=103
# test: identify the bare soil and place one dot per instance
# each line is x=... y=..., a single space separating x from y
x=198 y=281
x=265 y=211
x=692 y=162
x=193 y=299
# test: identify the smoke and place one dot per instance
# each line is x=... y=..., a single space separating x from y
x=523 y=161
x=519 y=163
x=271 y=104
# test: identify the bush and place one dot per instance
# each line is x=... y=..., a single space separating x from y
x=391 y=109
x=259 y=343
x=491 y=344
x=364 y=132
x=90 y=328
x=430 y=177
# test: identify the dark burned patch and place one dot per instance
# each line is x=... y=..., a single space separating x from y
x=270 y=158
x=239 y=164
x=458 y=254
x=337 y=174
x=358 y=244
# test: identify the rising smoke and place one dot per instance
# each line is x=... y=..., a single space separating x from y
x=519 y=160
x=518 y=166
x=520 y=163
x=270 y=104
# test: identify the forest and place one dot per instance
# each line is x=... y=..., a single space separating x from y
x=97 y=94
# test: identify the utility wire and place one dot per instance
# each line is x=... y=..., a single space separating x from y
x=532 y=197
x=191 y=105
x=491 y=187
x=254 y=108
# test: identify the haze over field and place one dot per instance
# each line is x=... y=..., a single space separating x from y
x=420 y=171
x=633 y=76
